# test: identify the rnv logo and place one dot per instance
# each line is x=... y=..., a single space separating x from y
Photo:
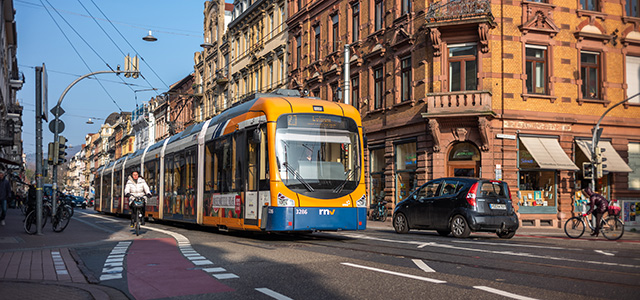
x=327 y=212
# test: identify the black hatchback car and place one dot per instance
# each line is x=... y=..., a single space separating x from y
x=458 y=206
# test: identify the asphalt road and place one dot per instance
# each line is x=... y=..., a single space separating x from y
x=372 y=264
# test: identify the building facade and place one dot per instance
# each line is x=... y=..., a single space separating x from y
x=256 y=38
x=506 y=90
x=181 y=104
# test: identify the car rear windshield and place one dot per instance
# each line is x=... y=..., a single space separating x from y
x=493 y=189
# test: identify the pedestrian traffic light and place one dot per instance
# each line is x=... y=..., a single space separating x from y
x=62 y=147
x=53 y=153
x=587 y=170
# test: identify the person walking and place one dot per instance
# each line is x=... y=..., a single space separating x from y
x=5 y=195
x=598 y=205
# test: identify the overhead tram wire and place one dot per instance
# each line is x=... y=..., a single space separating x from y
x=107 y=34
x=134 y=49
x=76 y=50
x=93 y=78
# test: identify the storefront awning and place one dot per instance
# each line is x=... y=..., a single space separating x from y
x=613 y=162
x=548 y=153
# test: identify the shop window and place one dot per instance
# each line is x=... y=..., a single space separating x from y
x=376 y=175
x=464 y=160
x=590 y=72
x=462 y=67
x=537 y=187
x=406 y=165
x=634 y=163
x=536 y=61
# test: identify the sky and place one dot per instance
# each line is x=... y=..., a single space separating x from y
x=178 y=26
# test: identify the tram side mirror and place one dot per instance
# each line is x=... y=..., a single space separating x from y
x=257 y=136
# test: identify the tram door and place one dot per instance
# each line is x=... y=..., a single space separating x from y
x=255 y=168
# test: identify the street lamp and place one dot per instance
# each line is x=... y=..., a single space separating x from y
x=150 y=37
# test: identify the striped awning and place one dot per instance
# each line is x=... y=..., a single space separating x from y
x=548 y=153
x=612 y=160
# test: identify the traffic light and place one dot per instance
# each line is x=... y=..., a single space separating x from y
x=587 y=170
x=62 y=147
x=599 y=162
x=53 y=153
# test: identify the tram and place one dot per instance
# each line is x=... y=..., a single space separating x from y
x=277 y=162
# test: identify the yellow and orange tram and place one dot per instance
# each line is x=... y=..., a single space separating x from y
x=274 y=163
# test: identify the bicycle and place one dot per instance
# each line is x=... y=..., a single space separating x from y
x=379 y=212
x=61 y=219
x=136 y=208
x=611 y=227
x=31 y=219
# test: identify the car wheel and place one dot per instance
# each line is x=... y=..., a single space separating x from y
x=400 y=223
x=444 y=232
x=506 y=234
x=459 y=227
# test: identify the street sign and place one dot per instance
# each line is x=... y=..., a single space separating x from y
x=52 y=126
x=57 y=111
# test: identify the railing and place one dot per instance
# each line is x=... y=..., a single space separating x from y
x=459 y=102
x=458 y=9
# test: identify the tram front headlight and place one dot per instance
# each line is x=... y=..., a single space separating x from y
x=362 y=201
x=285 y=201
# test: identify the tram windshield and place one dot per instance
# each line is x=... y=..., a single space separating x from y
x=318 y=155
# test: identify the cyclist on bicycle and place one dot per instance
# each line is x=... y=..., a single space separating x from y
x=598 y=205
x=137 y=187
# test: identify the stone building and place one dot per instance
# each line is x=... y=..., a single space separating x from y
x=181 y=103
x=456 y=89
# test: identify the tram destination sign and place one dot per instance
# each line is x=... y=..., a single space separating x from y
x=317 y=121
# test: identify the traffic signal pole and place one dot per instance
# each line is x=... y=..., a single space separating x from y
x=596 y=162
x=57 y=111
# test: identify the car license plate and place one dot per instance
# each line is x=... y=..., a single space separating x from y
x=497 y=206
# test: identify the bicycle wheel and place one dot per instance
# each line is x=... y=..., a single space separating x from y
x=612 y=228
x=30 y=221
x=137 y=224
x=61 y=219
x=383 y=216
x=574 y=227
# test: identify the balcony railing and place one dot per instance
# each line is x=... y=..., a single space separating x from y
x=459 y=103
x=458 y=9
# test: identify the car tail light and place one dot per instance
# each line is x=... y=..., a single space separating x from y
x=471 y=195
x=509 y=192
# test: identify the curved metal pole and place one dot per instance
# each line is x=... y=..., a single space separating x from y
x=56 y=133
x=595 y=139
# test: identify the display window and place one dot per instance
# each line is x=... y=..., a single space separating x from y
x=537 y=187
x=406 y=165
x=376 y=175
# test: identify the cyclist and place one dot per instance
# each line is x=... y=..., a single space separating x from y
x=598 y=205
x=137 y=187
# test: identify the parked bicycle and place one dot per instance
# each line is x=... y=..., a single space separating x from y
x=380 y=211
x=611 y=227
x=136 y=208
x=60 y=220
x=31 y=219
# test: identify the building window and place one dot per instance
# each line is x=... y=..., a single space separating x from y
x=462 y=67
x=406 y=78
x=317 y=41
x=316 y=92
x=589 y=4
x=379 y=14
x=298 y=51
x=300 y=5
x=355 y=30
x=376 y=175
x=590 y=72
x=406 y=6
x=355 y=91
x=336 y=31
x=379 y=87
x=633 y=78
x=334 y=92
x=406 y=165
x=633 y=8
x=537 y=186
x=536 y=61
x=634 y=164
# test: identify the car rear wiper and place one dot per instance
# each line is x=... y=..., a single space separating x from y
x=297 y=176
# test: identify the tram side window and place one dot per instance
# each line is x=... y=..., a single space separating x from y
x=208 y=167
x=179 y=178
x=191 y=171
x=96 y=188
x=117 y=183
x=225 y=156
x=168 y=175
x=238 y=162
x=151 y=177
x=264 y=160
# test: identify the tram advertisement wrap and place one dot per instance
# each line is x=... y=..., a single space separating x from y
x=228 y=205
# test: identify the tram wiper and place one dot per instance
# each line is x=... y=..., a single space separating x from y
x=339 y=188
x=297 y=176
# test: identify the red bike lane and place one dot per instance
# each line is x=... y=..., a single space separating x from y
x=157 y=269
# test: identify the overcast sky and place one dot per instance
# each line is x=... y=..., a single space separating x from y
x=178 y=25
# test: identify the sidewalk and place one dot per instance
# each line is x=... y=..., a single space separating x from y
x=39 y=267
x=546 y=232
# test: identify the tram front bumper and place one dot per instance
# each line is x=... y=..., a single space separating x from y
x=316 y=218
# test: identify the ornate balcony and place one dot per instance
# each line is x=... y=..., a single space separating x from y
x=456 y=104
x=458 y=10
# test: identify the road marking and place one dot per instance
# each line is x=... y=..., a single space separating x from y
x=395 y=273
x=112 y=268
x=512 y=245
x=605 y=253
x=58 y=262
x=503 y=293
x=521 y=254
x=422 y=265
x=273 y=294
